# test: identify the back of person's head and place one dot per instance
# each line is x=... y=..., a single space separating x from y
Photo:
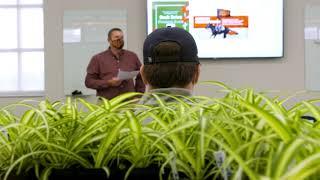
x=170 y=57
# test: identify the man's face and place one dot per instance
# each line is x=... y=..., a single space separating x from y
x=116 y=40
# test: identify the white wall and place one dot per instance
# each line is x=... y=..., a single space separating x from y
x=286 y=74
x=136 y=10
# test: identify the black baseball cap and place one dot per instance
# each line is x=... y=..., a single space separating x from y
x=188 y=47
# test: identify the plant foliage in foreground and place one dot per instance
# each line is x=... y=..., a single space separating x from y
x=242 y=135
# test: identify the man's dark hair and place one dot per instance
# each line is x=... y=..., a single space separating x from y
x=112 y=30
x=170 y=74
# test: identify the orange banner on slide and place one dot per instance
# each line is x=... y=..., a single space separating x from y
x=231 y=21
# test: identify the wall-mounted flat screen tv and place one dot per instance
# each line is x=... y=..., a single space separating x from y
x=224 y=28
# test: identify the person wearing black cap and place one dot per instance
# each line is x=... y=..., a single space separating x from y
x=171 y=63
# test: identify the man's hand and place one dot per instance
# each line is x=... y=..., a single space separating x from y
x=114 y=82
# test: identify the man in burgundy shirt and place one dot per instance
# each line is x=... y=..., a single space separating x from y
x=103 y=69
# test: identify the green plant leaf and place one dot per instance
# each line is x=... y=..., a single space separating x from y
x=275 y=124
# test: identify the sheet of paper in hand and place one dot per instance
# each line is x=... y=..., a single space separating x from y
x=122 y=75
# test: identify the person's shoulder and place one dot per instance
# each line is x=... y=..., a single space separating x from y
x=128 y=52
x=100 y=54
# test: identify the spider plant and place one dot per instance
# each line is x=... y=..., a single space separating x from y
x=243 y=134
x=59 y=135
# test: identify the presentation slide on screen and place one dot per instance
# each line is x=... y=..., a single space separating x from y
x=224 y=28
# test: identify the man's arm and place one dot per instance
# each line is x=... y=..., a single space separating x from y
x=139 y=85
x=93 y=80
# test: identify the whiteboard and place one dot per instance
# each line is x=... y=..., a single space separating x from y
x=312 y=47
x=85 y=34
